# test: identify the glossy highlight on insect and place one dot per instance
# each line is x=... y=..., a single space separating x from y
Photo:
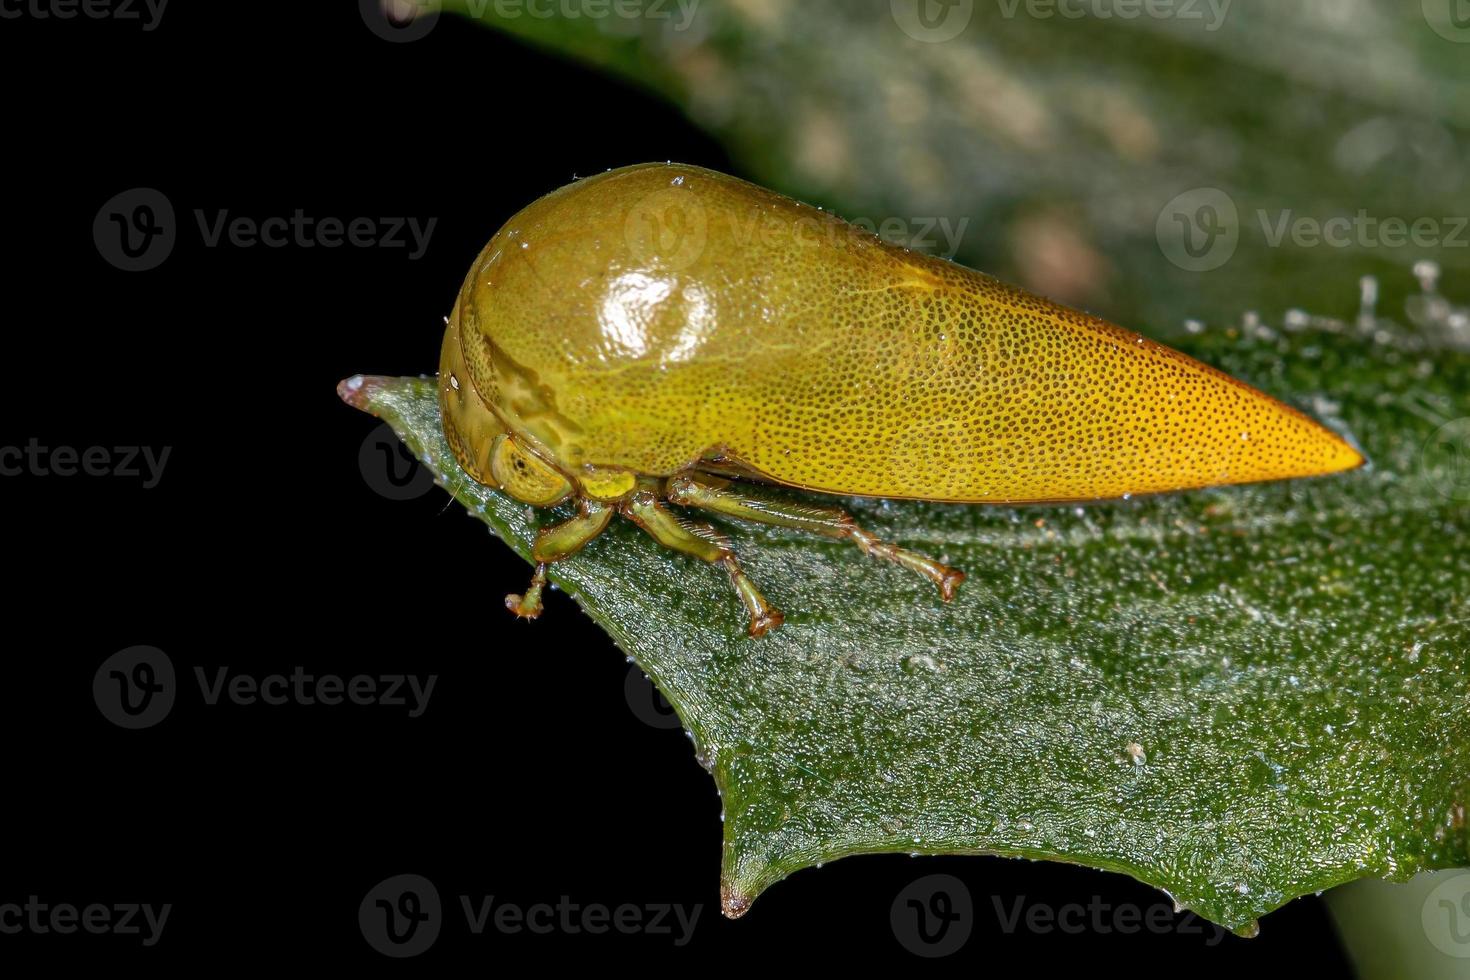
x=664 y=336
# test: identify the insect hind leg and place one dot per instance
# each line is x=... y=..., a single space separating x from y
x=718 y=495
x=707 y=544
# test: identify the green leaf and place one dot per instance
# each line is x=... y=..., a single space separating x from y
x=1240 y=696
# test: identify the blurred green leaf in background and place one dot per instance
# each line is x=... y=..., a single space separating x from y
x=1070 y=137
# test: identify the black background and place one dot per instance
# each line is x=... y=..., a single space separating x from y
x=530 y=776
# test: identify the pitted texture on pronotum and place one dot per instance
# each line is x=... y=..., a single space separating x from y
x=651 y=317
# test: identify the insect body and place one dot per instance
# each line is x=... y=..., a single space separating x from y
x=664 y=334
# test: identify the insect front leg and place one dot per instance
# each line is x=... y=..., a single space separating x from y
x=555 y=543
x=719 y=496
x=706 y=544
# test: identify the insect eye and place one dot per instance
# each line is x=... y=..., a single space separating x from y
x=524 y=476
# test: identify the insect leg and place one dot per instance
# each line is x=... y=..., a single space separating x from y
x=719 y=496
x=706 y=544
x=555 y=543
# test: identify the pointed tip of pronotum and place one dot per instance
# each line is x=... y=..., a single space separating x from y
x=1357 y=456
x=357 y=390
x=733 y=903
x=1352 y=458
x=1343 y=456
x=1320 y=449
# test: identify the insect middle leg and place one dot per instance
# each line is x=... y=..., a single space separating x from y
x=718 y=495
x=555 y=543
x=707 y=544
